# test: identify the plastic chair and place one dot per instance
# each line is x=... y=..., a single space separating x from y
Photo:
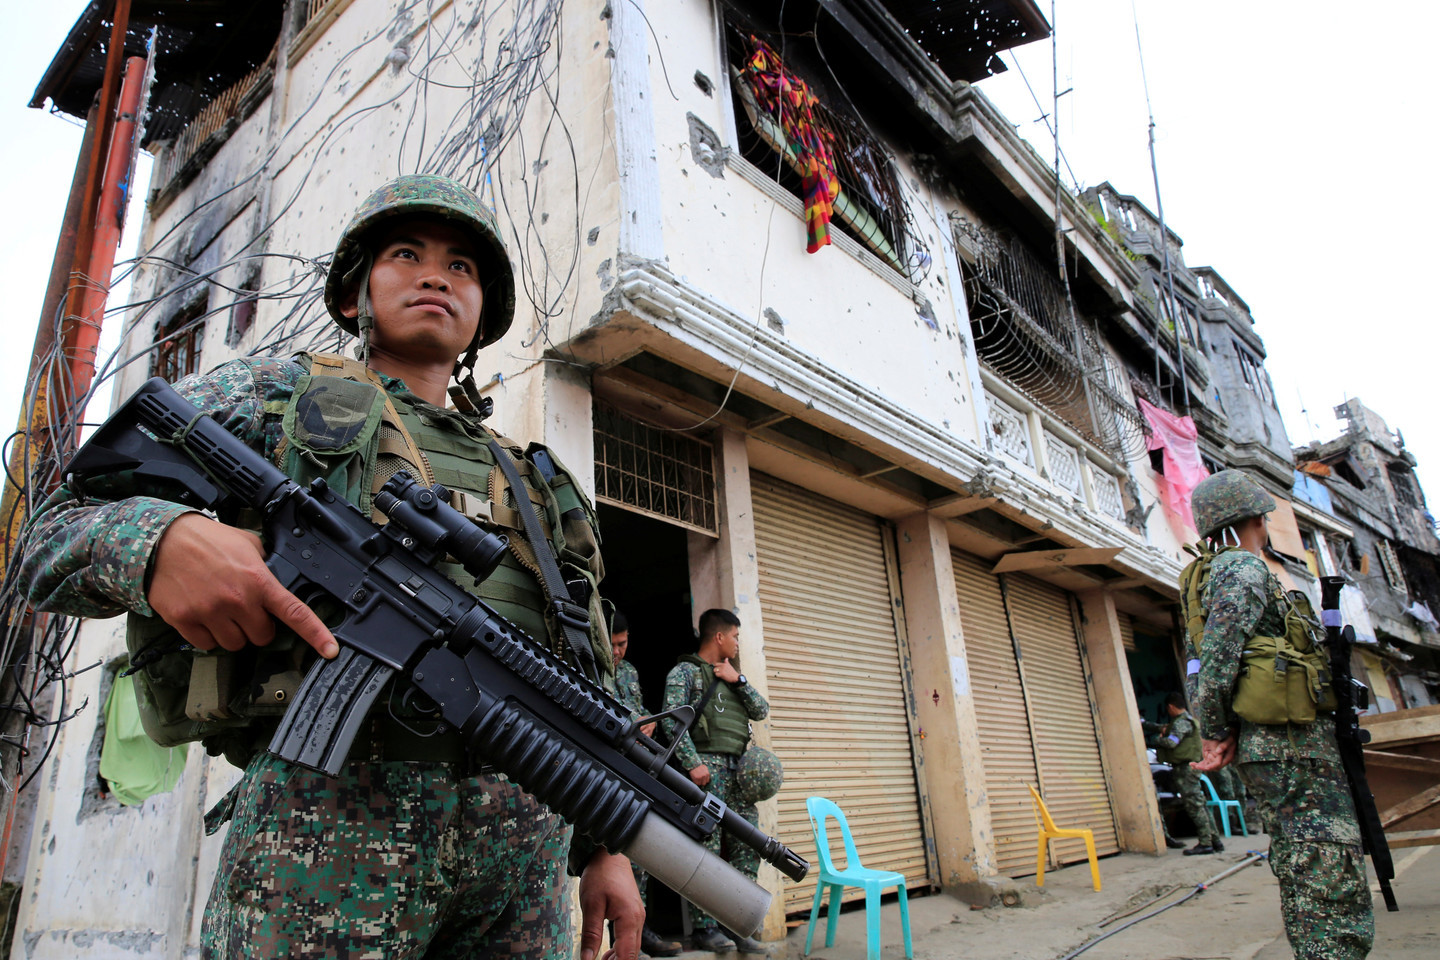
x=854 y=875
x=1224 y=806
x=1048 y=832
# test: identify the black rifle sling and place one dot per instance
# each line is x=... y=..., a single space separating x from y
x=574 y=619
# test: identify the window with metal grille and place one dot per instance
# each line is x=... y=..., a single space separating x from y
x=653 y=471
x=177 y=342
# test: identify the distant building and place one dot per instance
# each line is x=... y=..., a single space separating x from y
x=1365 y=479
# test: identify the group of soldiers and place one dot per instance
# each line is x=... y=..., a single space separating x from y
x=415 y=850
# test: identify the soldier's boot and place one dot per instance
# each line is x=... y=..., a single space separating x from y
x=747 y=944
x=1199 y=850
x=1172 y=843
x=711 y=939
x=656 y=945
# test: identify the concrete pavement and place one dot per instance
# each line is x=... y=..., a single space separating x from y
x=1238 y=918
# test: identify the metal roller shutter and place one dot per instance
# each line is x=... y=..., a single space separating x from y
x=1000 y=714
x=1067 y=747
x=1127 y=632
x=838 y=712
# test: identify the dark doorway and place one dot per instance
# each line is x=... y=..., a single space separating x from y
x=647 y=576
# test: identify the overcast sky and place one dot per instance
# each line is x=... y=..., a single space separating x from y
x=1295 y=152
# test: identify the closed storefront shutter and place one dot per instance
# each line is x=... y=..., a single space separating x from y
x=1060 y=713
x=838 y=712
x=1127 y=632
x=1000 y=714
x=1033 y=712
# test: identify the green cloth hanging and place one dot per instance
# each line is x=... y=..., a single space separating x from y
x=132 y=764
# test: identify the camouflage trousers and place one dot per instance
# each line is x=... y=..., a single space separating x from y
x=391 y=860
x=1192 y=794
x=1316 y=856
x=723 y=769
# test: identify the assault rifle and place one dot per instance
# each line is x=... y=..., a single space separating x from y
x=518 y=707
x=1352 y=696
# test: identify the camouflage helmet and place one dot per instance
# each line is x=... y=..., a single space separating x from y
x=1227 y=498
x=759 y=777
x=424 y=195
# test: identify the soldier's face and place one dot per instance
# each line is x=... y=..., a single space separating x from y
x=425 y=290
x=619 y=643
x=729 y=640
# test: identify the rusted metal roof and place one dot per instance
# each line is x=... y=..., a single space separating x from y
x=203 y=47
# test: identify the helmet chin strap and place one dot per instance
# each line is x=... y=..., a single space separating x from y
x=464 y=394
x=364 y=316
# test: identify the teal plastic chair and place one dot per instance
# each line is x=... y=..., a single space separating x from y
x=1224 y=806
x=874 y=883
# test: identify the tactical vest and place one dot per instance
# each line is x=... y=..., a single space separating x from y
x=1282 y=679
x=340 y=424
x=1187 y=750
x=723 y=726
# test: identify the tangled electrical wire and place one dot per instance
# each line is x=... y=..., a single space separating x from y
x=475 y=83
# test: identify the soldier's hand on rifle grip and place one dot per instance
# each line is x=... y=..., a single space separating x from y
x=209 y=581
x=1215 y=754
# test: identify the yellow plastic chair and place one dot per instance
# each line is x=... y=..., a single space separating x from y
x=1048 y=832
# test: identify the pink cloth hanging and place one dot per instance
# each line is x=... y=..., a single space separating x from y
x=1175 y=437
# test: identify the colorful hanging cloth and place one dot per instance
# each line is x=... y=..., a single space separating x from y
x=788 y=99
x=1175 y=437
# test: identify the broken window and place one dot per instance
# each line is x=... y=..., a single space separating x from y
x=178 y=341
x=1402 y=480
x=825 y=157
x=654 y=471
x=1256 y=380
x=242 y=312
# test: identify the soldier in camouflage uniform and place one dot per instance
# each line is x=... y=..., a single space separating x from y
x=627 y=691
x=1178 y=744
x=712 y=748
x=412 y=851
x=1293 y=770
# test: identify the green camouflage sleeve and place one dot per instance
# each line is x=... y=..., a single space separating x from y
x=1238 y=592
x=681 y=689
x=756 y=706
x=627 y=687
x=86 y=553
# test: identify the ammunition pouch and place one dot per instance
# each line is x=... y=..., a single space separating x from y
x=1284 y=679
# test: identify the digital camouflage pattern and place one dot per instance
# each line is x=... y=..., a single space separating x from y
x=425 y=195
x=87 y=556
x=1192 y=795
x=391 y=860
x=627 y=687
x=1292 y=770
x=1244 y=601
x=685 y=684
x=723 y=769
x=1225 y=498
x=1172 y=743
x=1316 y=855
x=759 y=777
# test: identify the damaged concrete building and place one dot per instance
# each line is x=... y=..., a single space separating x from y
x=1366 y=479
x=911 y=461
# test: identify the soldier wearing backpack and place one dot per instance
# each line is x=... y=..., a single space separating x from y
x=1263 y=703
x=413 y=850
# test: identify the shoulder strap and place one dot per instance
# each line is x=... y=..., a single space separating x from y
x=574 y=619
x=705 y=700
x=334 y=365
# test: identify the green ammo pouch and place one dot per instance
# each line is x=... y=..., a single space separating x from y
x=1283 y=679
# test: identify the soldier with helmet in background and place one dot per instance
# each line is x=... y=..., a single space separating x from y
x=413 y=850
x=1293 y=769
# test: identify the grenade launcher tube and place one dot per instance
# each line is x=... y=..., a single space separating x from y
x=534 y=717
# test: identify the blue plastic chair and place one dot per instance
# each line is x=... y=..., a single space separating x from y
x=1224 y=806
x=874 y=883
